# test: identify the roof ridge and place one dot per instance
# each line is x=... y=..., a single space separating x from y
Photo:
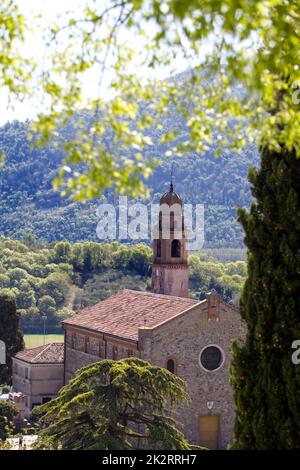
x=46 y=346
x=31 y=356
x=122 y=314
x=140 y=292
x=229 y=304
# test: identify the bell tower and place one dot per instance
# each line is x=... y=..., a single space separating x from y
x=170 y=257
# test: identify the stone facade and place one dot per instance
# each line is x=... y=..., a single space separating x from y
x=182 y=339
x=38 y=377
x=38 y=382
x=170 y=258
x=170 y=279
x=83 y=347
x=190 y=338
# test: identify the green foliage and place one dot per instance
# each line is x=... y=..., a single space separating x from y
x=265 y=381
x=240 y=86
x=29 y=204
x=100 y=286
x=38 y=286
x=47 y=306
x=5 y=445
x=58 y=280
x=114 y=405
x=58 y=284
x=13 y=73
x=136 y=258
x=208 y=275
x=10 y=334
x=243 y=85
x=8 y=412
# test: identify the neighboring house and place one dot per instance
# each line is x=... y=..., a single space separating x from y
x=190 y=338
x=38 y=373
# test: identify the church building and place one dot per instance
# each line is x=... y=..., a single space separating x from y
x=190 y=338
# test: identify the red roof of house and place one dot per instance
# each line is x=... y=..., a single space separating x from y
x=49 y=353
x=122 y=314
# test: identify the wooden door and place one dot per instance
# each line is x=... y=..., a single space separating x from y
x=209 y=431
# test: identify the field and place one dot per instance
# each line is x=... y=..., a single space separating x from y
x=32 y=341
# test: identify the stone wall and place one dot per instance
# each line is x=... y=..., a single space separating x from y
x=37 y=381
x=170 y=279
x=182 y=339
x=84 y=348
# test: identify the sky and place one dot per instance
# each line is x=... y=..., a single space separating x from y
x=50 y=10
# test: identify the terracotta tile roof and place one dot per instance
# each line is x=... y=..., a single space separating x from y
x=122 y=314
x=50 y=353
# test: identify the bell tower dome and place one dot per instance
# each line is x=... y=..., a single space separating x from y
x=170 y=257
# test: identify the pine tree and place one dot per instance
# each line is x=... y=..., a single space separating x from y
x=266 y=383
x=115 y=405
x=10 y=334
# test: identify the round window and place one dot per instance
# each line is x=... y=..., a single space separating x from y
x=211 y=358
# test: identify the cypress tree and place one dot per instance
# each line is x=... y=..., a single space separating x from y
x=10 y=334
x=266 y=383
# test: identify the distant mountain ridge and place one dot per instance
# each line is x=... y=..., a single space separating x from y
x=29 y=204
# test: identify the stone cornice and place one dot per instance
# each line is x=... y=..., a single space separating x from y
x=84 y=330
x=170 y=265
x=23 y=363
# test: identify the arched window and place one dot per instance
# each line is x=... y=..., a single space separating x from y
x=175 y=249
x=171 y=365
x=160 y=220
x=172 y=220
x=158 y=249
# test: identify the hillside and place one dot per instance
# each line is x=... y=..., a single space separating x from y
x=29 y=204
x=56 y=280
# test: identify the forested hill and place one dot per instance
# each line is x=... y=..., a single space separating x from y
x=28 y=203
x=58 y=279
